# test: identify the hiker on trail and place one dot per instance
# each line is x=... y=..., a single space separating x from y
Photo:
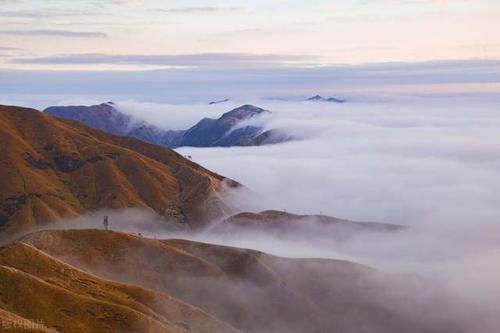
x=106 y=222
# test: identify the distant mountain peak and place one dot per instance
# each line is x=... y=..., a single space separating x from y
x=244 y=112
x=315 y=98
x=103 y=116
x=221 y=132
x=219 y=101
x=207 y=132
x=319 y=98
x=335 y=100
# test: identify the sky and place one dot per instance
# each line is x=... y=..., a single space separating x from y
x=155 y=34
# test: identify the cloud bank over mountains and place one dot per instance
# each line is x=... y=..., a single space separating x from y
x=414 y=161
x=209 y=81
x=203 y=60
x=54 y=33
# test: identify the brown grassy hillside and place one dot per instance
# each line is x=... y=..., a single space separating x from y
x=248 y=290
x=40 y=288
x=53 y=168
x=279 y=223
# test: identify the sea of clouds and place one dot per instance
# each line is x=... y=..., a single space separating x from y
x=418 y=160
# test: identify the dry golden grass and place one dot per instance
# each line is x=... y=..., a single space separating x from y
x=53 y=168
x=248 y=290
x=10 y=322
x=37 y=286
x=272 y=219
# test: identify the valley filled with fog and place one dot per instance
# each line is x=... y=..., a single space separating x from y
x=412 y=161
x=429 y=163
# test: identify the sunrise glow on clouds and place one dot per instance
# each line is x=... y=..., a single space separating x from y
x=134 y=34
x=198 y=50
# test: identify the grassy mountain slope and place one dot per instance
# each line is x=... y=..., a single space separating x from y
x=53 y=168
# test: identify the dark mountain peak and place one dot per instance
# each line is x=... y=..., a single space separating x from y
x=315 y=98
x=319 y=98
x=243 y=112
x=221 y=132
x=80 y=109
x=102 y=116
x=207 y=132
x=247 y=107
x=219 y=101
x=335 y=100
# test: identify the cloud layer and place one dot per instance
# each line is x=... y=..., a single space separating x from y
x=239 y=77
x=412 y=161
x=55 y=33
x=200 y=10
x=210 y=60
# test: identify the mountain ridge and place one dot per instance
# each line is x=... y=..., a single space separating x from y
x=131 y=283
x=54 y=168
x=319 y=98
x=207 y=132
